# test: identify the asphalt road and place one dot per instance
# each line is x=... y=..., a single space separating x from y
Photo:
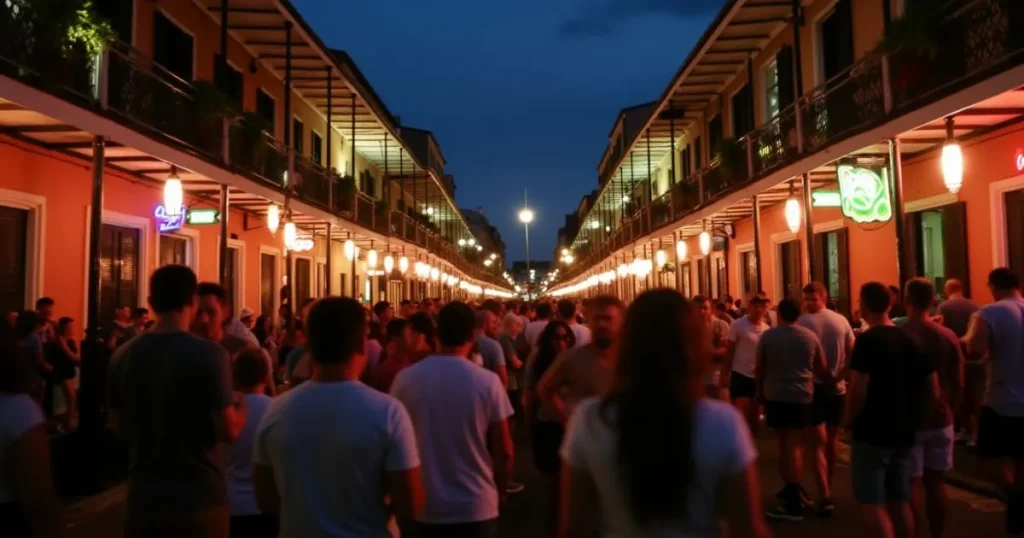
x=971 y=516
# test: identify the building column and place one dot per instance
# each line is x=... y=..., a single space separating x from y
x=225 y=202
x=896 y=184
x=758 y=284
x=811 y=248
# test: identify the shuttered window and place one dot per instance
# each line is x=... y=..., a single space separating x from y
x=685 y=275
x=119 y=270
x=303 y=289
x=173 y=47
x=789 y=253
x=836 y=40
x=832 y=266
x=748 y=273
x=266 y=107
x=13 y=245
x=702 y=277
x=742 y=112
x=784 y=76
x=173 y=250
x=721 y=276
x=1015 y=231
x=268 y=278
x=715 y=133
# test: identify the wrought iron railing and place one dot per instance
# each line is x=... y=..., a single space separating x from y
x=846 y=103
x=775 y=143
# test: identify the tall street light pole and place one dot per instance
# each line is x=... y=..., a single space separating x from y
x=526 y=217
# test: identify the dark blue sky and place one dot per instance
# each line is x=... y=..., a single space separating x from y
x=519 y=94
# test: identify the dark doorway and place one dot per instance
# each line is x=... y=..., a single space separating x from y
x=836 y=34
x=792 y=271
x=119 y=270
x=173 y=250
x=935 y=245
x=173 y=47
x=833 y=268
x=303 y=288
x=268 y=276
x=1015 y=232
x=14 y=245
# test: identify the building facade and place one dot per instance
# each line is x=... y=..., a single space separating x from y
x=821 y=141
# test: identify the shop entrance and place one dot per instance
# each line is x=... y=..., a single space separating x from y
x=791 y=270
x=1015 y=231
x=936 y=243
x=14 y=245
x=119 y=270
x=832 y=268
x=268 y=276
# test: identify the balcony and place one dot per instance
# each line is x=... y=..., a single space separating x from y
x=977 y=39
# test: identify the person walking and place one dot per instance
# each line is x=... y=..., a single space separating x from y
x=955 y=313
x=171 y=398
x=741 y=359
x=532 y=330
x=212 y=322
x=836 y=336
x=997 y=332
x=652 y=456
x=511 y=328
x=718 y=331
x=330 y=453
x=462 y=435
x=788 y=357
x=418 y=341
x=491 y=353
x=933 y=451
x=247 y=521
x=568 y=312
x=891 y=381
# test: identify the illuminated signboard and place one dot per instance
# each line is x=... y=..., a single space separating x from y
x=169 y=223
x=826 y=199
x=864 y=194
x=203 y=216
x=1020 y=160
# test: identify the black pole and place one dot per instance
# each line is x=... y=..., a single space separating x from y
x=328 y=264
x=288 y=87
x=672 y=136
x=798 y=22
x=896 y=184
x=812 y=264
x=757 y=244
x=225 y=274
x=886 y=15
x=94 y=355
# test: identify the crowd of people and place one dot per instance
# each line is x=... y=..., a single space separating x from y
x=346 y=421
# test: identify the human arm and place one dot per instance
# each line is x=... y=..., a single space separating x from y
x=499 y=445
x=856 y=396
x=726 y=369
x=819 y=365
x=955 y=389
x=502 y=372
x=977 y=338
x=550 y=385
x=227 y=408
x=72 y=354
x=579 y=497
x=31 y=482
x=402 y=478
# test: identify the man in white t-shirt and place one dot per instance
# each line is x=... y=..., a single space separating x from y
x=567 y=312
x=332 y=450
x=460 y=413
x=741 y=358
x=532 y=331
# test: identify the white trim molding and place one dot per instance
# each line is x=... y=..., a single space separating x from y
x=777 y=239
x=829 y=226
x=931 y=202
x=238 y=293
x=35 y=240
x=997 y=205
x=191 y=251
x=276 y=278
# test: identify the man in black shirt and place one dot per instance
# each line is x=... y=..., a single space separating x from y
x=891 y=383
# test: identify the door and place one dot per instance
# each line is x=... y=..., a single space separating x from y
x=792 y=270
x=833 y=268
x=1015 y=231
x=748 y=273
x=119 y=270
x=685 y=275
x=321 y=285
x=742 y=112
x=721 y=275
x=702 y=278
x=268 y=277
x=836 y=35
x=232 y=277
x=14 y=245
x=935 y=244
x=303 y=288
x=173 y=250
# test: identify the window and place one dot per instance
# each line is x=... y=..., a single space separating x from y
x=715 y=134
x=721 y=275
x=789 y=254
x=833 y=268
x=233 y=272
x=14 y=245
x=266 y=107
x=936 y=244
x=835 y=39
x=772 y=106
x=684 y=163
x=702 y=277
x=784 y=77
x=232 y=82
x=120 y=14
x=685 y=270
x=173 y=250
x=119 y=270
x=297 y=135
x=268 y=281
x=698 y=154
x=321 y=285
x=1014 y=231
x=316 y=148
x=748 y=273
x=742 y=112
x=303 y=290
x=173 y=47
x=367 y=184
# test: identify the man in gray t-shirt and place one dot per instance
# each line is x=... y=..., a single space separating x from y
x=490 y=350
x=956 y=310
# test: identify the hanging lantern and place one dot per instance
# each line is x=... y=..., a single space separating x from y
x=660 y=258
x=705 y=242
x=952 y=160
x=291 y=235
x=792 y=212
x=435 y=273
x=371 y=259
x=350 y=250
x=273 y=219
x=444 y=278
x=681 y=250
x=623 y=270
x=389 y=264
x=174 y=195
x=403 y=265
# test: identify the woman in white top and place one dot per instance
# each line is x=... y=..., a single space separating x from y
x=656 y=457
x=28 y=503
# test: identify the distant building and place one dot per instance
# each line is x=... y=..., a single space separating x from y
x=532 y=279
x=486 y=236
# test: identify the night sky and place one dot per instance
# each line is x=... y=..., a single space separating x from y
x=519 y=94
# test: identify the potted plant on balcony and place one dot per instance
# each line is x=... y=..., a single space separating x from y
x=731 y=155
x=212 y=107
x=912 y=45
x=345 y=192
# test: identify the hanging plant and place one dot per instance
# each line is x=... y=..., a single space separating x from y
x=915 y=33
x=732 y=157
x=58 y=39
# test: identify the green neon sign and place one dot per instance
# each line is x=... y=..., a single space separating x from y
x=203 y=216
x=864 y=194
x=826 y=199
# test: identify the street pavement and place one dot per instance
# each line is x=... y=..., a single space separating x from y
x=971 y=515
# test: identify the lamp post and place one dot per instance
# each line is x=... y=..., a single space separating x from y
x=526 y=217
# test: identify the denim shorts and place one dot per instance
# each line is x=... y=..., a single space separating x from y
x=880 y=474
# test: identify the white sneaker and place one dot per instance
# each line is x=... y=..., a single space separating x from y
x=514 y=487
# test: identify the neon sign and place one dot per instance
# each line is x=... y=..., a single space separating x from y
x=169 y=223
x=1020 y=160
x=864 y=194
x=203 y=216
x=822 y=198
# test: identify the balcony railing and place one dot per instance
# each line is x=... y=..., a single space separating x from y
x=131 y=88
x=977 y=39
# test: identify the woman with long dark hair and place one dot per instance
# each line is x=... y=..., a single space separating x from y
x=545 y=429
x=654 y=457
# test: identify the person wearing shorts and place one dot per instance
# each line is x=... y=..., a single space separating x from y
x=740 y=360
x=891 y=382
x=788 y=356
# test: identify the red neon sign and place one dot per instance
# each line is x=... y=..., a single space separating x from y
x=1020 y=160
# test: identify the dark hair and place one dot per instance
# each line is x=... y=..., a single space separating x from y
x=1002 y=279
x=306 y=302
x=405 y=302
x=606 y=301
x=212 y=288
x=421 y=323
x=815 y=287
x=375 y=332
x=381 y=307
x=491 y=305
x=920 y=293
x=543 y=311
x=699 y=300
x=720 y=306
x=566 y=309
x=524 y=309
x=335 y=330
x=875 y=297
x=63 y=323
x=789 y=310
x=250 y=367
x=16 y=373
x=394 y=329
x=43 y=301
x=258 y=331
x=656 y=384
x=28 y=322
x=140 y=311
x=546 y=344
x=171 y=288
x=456 y=324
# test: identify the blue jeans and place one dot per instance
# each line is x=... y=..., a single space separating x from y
x=880 y=474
